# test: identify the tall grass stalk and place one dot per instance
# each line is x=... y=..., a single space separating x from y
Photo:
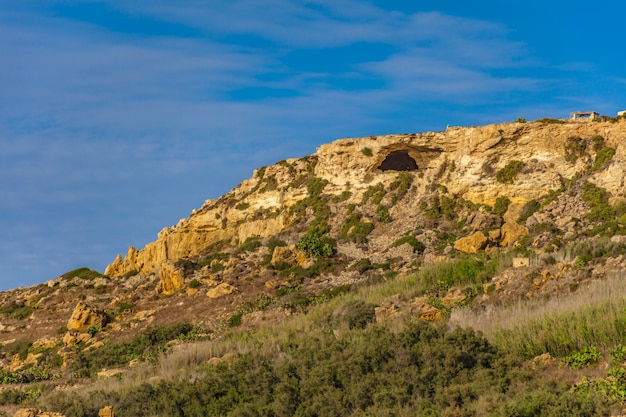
x=594 y=316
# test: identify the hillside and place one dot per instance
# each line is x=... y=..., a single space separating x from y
x=351 y=282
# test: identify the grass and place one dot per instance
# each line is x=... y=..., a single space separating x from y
x=593 y=316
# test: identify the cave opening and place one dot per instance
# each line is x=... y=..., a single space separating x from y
x=398 y=161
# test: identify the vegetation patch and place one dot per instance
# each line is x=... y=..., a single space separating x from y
x=356 y=230
x=501 y=206
x=418 y=247
x=367 y=152
x=575 y=148
x=603 y=156
x=144 y=346
x=507 y=174
x=82 y=273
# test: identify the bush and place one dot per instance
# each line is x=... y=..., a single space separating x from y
x=194 y=283
x=367 y=152
x=250 y=244
x=145 y=345
x=242 y=206
x=603 y=156
x=528 y=210
x=314 y=244
x=584 y=357
x=507 y=174
x=382 y=214
x=356 y=314
x=418 y=247
x=501 y=206
x=575 y=147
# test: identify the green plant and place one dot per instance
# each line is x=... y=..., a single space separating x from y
x=356 y=230
x=418 y=247
x=250 y=244
x=603 y=156
x=501 y=206
x=400 y=186
x=93 y=330
x=17 y=311
x=242 y=206
x=130 y=273
x=550 y=120
x=375 y=192
x=521 y=120
x=367 y=152
x=342 y=197
x=124 y=306
x=382 y=214
x=507 y=174
x=528 y=210
x=314 y=244
x=235 y=320
x=575 y=148
x=194 y=283
x=583 y=357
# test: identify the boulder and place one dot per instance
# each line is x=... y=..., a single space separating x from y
x=106 y=412
x=73 y=337
x=172 y=278
x=511 y=232
x=26 y=412
x=472 y=243
x=283 y=254
x=221 y=290
x=85 y=316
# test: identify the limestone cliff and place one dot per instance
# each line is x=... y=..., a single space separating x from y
x=463 y=160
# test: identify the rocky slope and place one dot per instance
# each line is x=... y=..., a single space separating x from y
x=357 y=211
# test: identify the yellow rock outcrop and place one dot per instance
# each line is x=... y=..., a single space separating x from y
x=260 y=208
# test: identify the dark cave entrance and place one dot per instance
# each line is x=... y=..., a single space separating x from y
x=398 y=161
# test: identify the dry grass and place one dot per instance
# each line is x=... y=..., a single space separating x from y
x=593 y=316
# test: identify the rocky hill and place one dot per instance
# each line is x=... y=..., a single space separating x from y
x=452 y=227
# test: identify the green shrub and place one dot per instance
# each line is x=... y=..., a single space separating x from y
x=220 y=256
x=235 y=320
x=375 y=192
x=382 y=214
x=356 y=230
x=314 y=244
x=418 y=247
x=357 y=314
x=242 y=206
x=575 y=148
x=400 y=186
x=598 y=200
x=82 y=273
x=194 y=283
x=501 y=206
x=342 y=197
x=603 y=156
x=583 y=357
x=143 y=346
x=521 y=120
x=17 y=311
x=93 y=330
x=367 y=152
x=528 y=210
x=250 y=244
x=507 y=174
x=550 y=120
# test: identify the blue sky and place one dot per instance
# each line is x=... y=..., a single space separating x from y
x=119 y=117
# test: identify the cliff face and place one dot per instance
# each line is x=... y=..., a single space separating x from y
x=463 y=160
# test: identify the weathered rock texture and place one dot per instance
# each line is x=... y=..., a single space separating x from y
x=85 y=316
x=258 y=207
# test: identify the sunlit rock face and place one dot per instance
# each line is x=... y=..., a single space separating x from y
x=463 y=160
